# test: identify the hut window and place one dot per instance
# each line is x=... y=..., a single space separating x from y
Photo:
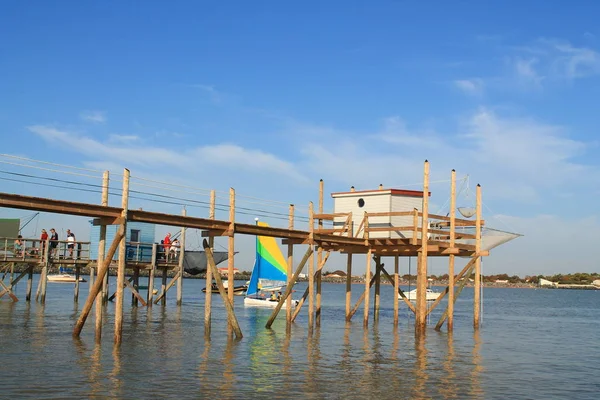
x=361 y=202
x=135 y=235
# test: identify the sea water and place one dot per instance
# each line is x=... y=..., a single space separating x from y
x=533 y=344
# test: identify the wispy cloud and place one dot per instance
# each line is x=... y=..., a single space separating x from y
x=216 y=97
x=123 y=138
x=526 y=72
x=229 y=156
x=97 y=117
x=472 y=86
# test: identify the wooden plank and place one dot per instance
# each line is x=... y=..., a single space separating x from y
x=477 y=285
x=57 y=206
x=391 y=214
x=290 y=266
x=107 y=221
x=122 y=262
x=319 y=259
x=390 y=228
x=135 y=292
x=330 y=217
x=452 y=223
x=208 y=280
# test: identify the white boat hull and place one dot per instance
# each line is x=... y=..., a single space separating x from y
x=64 y=278
x=267 y=303
x=430 y=296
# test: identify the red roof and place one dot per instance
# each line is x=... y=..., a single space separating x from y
x=395 y=192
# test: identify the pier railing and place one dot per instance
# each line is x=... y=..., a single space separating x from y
x=33 y=250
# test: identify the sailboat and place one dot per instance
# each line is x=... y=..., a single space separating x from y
x=268 y=274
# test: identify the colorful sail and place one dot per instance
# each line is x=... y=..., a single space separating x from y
x=269 y=267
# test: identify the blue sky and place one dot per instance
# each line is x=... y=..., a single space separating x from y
x=269 y=97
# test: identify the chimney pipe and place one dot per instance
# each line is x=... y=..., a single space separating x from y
x=352 y=188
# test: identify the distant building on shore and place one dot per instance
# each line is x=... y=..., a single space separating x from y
x=546 y=283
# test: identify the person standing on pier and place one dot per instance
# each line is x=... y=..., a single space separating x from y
x=43 y=239
x=167 y=245
x=53 y=242
x=70 y=242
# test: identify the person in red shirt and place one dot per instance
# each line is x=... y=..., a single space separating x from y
x=43 y=238
x=167 y=245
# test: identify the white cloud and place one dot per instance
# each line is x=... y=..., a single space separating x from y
x=526 y=72
x=123 y=138
x=226 y=156
x=216 y=97
x=472 y=86
x=97 y=117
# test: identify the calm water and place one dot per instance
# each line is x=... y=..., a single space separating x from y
x=534 y=344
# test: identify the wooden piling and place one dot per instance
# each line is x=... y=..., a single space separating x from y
x=311 y=267
x=102 y=297
x=77 y=275
x=44 y=276
x=319 y=258
x=305 y=294
x=421 y=316
x=290 y=265
x=377 y=289
x=231 y=318
x=230 y=245
x=122 y=261
x=451 y=257
x=396 y=287
x=208 y=298
x=150 y=295
x=477 y=285
x=136 y=285
x=163 y=287
x=181 y=253
x=103 y=269
x=29 y=282
x=367 y=272
x=348 y=285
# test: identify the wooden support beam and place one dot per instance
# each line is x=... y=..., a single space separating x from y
x=181 y=253
x=57 y=206
x=459 y=289
x=118 y=335
x=208 y=284
x=348 y=285
x=150 y=294
x=163 y=295
x=231 y=318
x=305 y=295
x=367 y=274
x=319 y=259
x=134 y=291
x=452 y=223
x=29 y=282
x=103 y=268
x=76 y=291
x=396 y=287
x=289 y=288
x=400 y=292
x=359 y=301
x=107 y=221
x=447 y=290
x=231 y=247
x=311 y=268
x=477 y=286
x=290 y=266
x=377 y=288
x=8 y=289
x=420 y=319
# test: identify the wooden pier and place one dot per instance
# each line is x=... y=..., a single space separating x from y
x=428 y=235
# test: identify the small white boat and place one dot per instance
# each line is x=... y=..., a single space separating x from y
x=64 y=278
x=266 y=302
x=430 y=296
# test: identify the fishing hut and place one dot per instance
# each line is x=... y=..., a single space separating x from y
x=380 y=223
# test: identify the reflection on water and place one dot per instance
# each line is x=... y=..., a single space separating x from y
x=164 y=352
